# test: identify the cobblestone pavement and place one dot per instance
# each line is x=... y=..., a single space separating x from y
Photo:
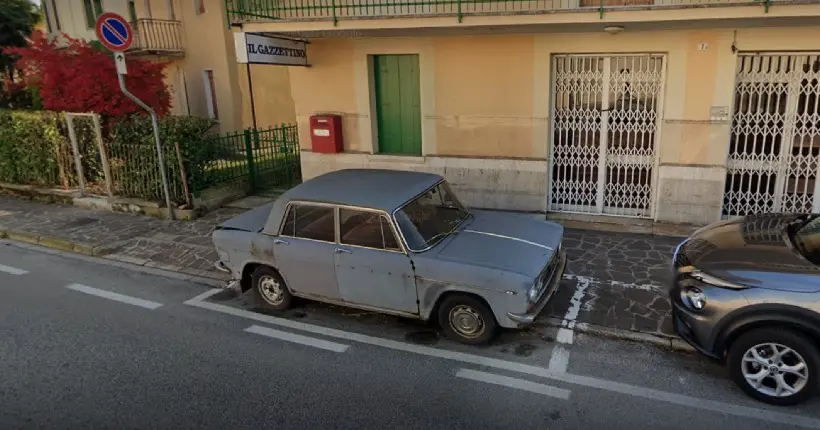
x=615 y=280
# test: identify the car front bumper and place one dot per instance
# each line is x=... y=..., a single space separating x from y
x=529 y=317
x=688 y=327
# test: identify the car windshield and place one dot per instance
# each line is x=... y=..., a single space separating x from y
x=428 y=218
x=806 y=237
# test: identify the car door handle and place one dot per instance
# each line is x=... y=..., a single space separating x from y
x=343 y=251
x=280 y=242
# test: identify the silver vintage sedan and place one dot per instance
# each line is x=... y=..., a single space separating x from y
x=396 y=242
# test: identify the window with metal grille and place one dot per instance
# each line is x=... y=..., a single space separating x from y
x=199 y=6
x=774 y=147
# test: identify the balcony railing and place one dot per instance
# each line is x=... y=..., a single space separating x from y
x=263 y=10
x=157 y=37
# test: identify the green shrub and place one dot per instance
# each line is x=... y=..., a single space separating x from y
x=34 y=149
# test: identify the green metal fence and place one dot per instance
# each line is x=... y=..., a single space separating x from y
x=256 y=159
x=255 y=10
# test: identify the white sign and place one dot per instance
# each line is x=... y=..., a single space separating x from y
x=119 y=60
x=321 y=132
x=719 y=113
x=255 y=49
x=703 y=46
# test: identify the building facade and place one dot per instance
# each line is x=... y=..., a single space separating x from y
x=666 y=110
x=194 y=38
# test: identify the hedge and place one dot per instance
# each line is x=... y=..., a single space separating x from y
x=35 y=150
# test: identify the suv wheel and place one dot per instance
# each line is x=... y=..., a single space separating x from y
x=466 y=319
x=778 y=367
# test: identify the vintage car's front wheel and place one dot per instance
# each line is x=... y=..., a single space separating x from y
x=466 y=319
x=269 y=289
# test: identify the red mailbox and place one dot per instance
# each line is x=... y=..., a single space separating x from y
x=326 y=133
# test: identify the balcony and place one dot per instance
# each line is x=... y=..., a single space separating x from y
x=295 y=15
x=157 y=37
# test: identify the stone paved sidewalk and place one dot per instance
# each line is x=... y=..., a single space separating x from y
x=619 y=277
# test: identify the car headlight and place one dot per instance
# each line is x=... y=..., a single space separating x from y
x=532 y=294
x=694 y=298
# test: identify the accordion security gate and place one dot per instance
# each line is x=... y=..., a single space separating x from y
x=775 y=136
x=606 y=112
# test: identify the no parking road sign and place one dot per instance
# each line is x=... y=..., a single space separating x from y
x=114 y=32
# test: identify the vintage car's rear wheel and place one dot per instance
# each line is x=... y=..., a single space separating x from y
x=775 y=366
x=466 y=319
x=269 y=289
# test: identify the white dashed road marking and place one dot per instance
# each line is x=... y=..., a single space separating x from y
x=12 y=270
x=560 y=353
x=297 y=338
x=518 y=384
x=114 y=296
x=718 y=407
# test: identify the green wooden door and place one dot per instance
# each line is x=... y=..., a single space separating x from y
x=398 y=103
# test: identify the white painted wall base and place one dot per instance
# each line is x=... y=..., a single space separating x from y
x=690 y=194
x=509 y=184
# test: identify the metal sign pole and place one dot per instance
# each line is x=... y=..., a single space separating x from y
x=116 y=34
x=160 y=157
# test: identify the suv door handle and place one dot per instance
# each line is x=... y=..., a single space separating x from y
x=280 y=242
x=343 y=251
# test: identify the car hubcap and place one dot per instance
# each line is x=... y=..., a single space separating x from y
x=271 y=290
x=466 y=321
x=775 y=370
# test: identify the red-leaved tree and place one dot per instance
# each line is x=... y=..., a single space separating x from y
x=81 y=78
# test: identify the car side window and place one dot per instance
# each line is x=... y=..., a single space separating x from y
x=368 y=229
x=310 y=222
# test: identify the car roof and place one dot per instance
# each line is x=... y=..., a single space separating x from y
x=381 y=189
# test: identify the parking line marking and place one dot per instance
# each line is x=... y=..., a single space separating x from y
x=763 y=414
x=12 y=270
x=518 y=384
x=114 y=296
x=564 y=335
x=559 y=360
x=201 y=297
x=297 y=338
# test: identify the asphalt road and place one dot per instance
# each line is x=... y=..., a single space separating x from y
x=86 y=344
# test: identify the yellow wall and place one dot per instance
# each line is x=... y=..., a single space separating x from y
x=208 y=46
x=488 y=96
x=271 y=95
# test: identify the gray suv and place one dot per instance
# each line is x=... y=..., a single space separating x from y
x=747 y=292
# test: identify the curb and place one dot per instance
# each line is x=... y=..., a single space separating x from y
x=659 y=339
x=101 y=251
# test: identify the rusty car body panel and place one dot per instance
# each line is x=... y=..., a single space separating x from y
x=511 y=261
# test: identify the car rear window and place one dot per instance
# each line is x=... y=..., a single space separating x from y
x=310 y=222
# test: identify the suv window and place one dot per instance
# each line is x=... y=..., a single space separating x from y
x=310 y=222
x=368 y=229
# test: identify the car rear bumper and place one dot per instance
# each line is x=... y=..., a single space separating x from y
x=222 y=267
x=219 y=265
x=529 y=317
